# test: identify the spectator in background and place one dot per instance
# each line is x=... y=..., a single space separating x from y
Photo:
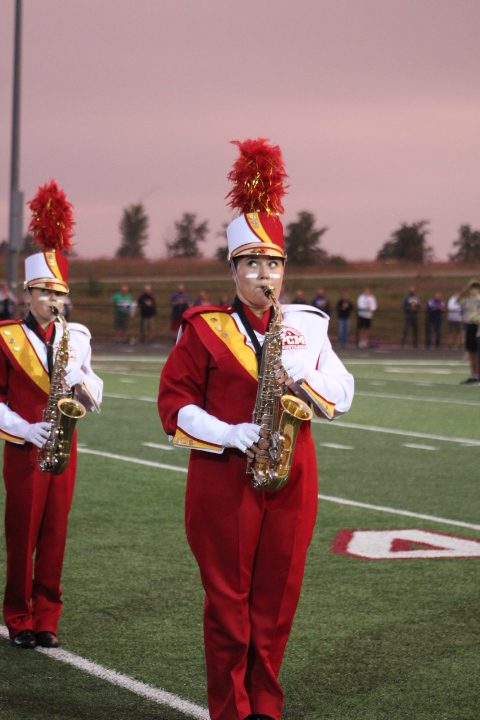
x=148 y=308
x=321 y=301
x=366 y=306
x=202 y=299
x=344 y=311
x=454 y=323
x=67 y=308
x=7 y=303
x=469 y=299
x=433 y=320
x=223 y=301
x=411 y=307
x=122 y=309
x=299 y=298
x=179 y=302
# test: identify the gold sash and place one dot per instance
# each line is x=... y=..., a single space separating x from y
x=22 y=352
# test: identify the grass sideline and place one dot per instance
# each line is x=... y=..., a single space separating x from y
x=372 y=640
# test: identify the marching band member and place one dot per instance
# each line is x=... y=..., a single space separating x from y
x=250 y=544
x=38 y=501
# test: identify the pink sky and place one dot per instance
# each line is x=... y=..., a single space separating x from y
x=375 y=104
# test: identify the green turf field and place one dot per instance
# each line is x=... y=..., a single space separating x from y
x=388 y=639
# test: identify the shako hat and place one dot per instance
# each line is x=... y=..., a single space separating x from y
x=52 y=229
x=258 y=177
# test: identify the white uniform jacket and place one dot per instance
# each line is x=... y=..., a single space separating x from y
x=29 y=356
x=307 y=348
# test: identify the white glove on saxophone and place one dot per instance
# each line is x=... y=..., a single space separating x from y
x=296 y=367
x=37 y=433
x=74 y=376
x=241 y=436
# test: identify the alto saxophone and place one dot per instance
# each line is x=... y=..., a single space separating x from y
x=278 y=413
x=62 y=411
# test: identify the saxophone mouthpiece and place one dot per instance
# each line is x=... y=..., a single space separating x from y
x=268 y=290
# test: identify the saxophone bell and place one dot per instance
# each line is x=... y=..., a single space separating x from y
x=70 y=411
x=271 y=471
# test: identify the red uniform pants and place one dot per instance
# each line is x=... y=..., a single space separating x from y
x=36 y=517
x=251 y=548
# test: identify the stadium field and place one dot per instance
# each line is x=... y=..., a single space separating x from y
x=387 y=627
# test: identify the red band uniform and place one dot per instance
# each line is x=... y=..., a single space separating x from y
x=250 y=544
x=38 y=502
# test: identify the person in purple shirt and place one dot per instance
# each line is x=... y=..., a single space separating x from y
x=433 y=320
x=179 y=302
x=321 y=301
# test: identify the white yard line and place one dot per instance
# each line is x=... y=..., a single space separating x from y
x=460 y=364
x=158 y=446
x=149 y=375
x=406 y=433
x=119 y=396
x=126 y=458
x=397 y=511
x=413 y=398
x=340 y=501
x=149 y=359
x=416 y=446
x=157 y=695
x=336 y=446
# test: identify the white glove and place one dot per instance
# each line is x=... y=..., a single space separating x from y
x=296 y=367
x=74 y=376
x=241 y=436
x=37 y=433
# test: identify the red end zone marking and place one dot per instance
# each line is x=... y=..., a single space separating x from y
x=410 y=544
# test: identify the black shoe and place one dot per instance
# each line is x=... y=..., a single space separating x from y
x=469 y=381
x=25 y=640
x=47 y=639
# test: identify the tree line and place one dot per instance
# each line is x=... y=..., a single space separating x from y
x=303 y=239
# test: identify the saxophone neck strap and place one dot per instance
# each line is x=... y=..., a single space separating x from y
x=239 y=308
x=47 y=336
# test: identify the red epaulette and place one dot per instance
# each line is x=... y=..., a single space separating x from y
x=199 y=309
x=10 y=322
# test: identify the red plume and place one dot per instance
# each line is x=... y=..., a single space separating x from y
x=258 y=177
x=52 y=218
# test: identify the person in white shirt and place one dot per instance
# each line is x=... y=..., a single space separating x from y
x=454 y=323
x=366 y=306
